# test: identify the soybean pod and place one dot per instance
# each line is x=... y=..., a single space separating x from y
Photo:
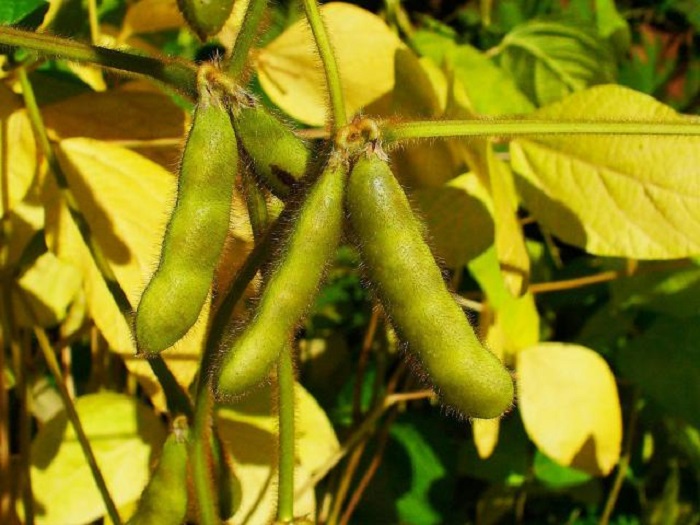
x=411 y=288
x=164 y=500
x=279 y=157
x=291 y=285
x=196 y=232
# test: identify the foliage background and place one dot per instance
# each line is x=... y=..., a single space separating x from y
x=576 y=258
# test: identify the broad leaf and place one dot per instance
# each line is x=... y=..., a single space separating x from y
x=122 y=433
x=550 y=60
x=615 y=195
x=291 y=73
x=13 y=11
x=19 y=146
x=569 y=404
x=458 y=215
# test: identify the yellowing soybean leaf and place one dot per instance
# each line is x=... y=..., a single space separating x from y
x=619 y=196
x=550 y=60
x=49 y=286
x=122 y=115
x=485 y=432
x=514 y=323
x=151 y=16
x=458 y=215
x=17 y=151
x=291 y=73
x=126 y=200
x=570 y=407
x=249 y=429
x=122 y=433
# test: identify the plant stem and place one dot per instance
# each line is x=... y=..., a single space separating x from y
x=330 y=66
x=516 y=127
x=94 y=22
x=246 y=37
x=175 y=396
x=178 y=74
x=50 y=358
x=285 y=378
x=362 y=365
x=201 y=458
x=257 y=207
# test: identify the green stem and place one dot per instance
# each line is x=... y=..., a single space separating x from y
x=522 y=127
x=175 y=396
x=330 y=66
x=246 y=37
x=257 y=206
x=285 y=378
x=201 y=456
x=177 y=74
x=52 y=363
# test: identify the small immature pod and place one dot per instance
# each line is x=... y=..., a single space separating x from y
x=412 y=290
x=280 y=157
x=196 y=232
x=164 y=500
x=291 y=285
x=206 y=17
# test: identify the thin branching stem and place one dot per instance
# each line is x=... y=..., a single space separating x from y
x=177 y=74
x=246 y=38
x=285 y=380
x=330 y=65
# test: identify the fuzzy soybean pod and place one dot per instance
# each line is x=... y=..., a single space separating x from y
x=291 y=285
x=195 y=235
x=279 y=157
x=206 y=17
x=411 y=288
x=164 y=500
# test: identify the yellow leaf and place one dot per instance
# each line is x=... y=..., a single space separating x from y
x=458 y=215
x=49 y=286
x=570 y=407
x=17 y=151
x=151 y=16
x=121 y=432
x=291 y=73
x=249 y=430
x=485 y=433
x=126 y=200
x=616 y=195
x=121 y=115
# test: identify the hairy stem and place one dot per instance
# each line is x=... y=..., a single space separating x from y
x=330 y=65
x=246 y=37
x=517 y=127
x=177 y=74
x=285 y=378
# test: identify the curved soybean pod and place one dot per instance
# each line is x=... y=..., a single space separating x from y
x=291 y=285
x=196 y=233
x=280 y=158
x=206 y=17
x=164 y=500
x=411 y=287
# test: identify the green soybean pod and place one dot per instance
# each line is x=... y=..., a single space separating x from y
x=164 y=500
x=291 y=286
x=206 y=17
x=195 y=235
x=279 y=157
x=411 y=288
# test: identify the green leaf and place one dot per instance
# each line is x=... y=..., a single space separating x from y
x=673 y=292
x=550 y=60
x=13 y=11
x=555 y=475
x=665 y=362
x=122 y=432
x=490 y=89
x=613 y=195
